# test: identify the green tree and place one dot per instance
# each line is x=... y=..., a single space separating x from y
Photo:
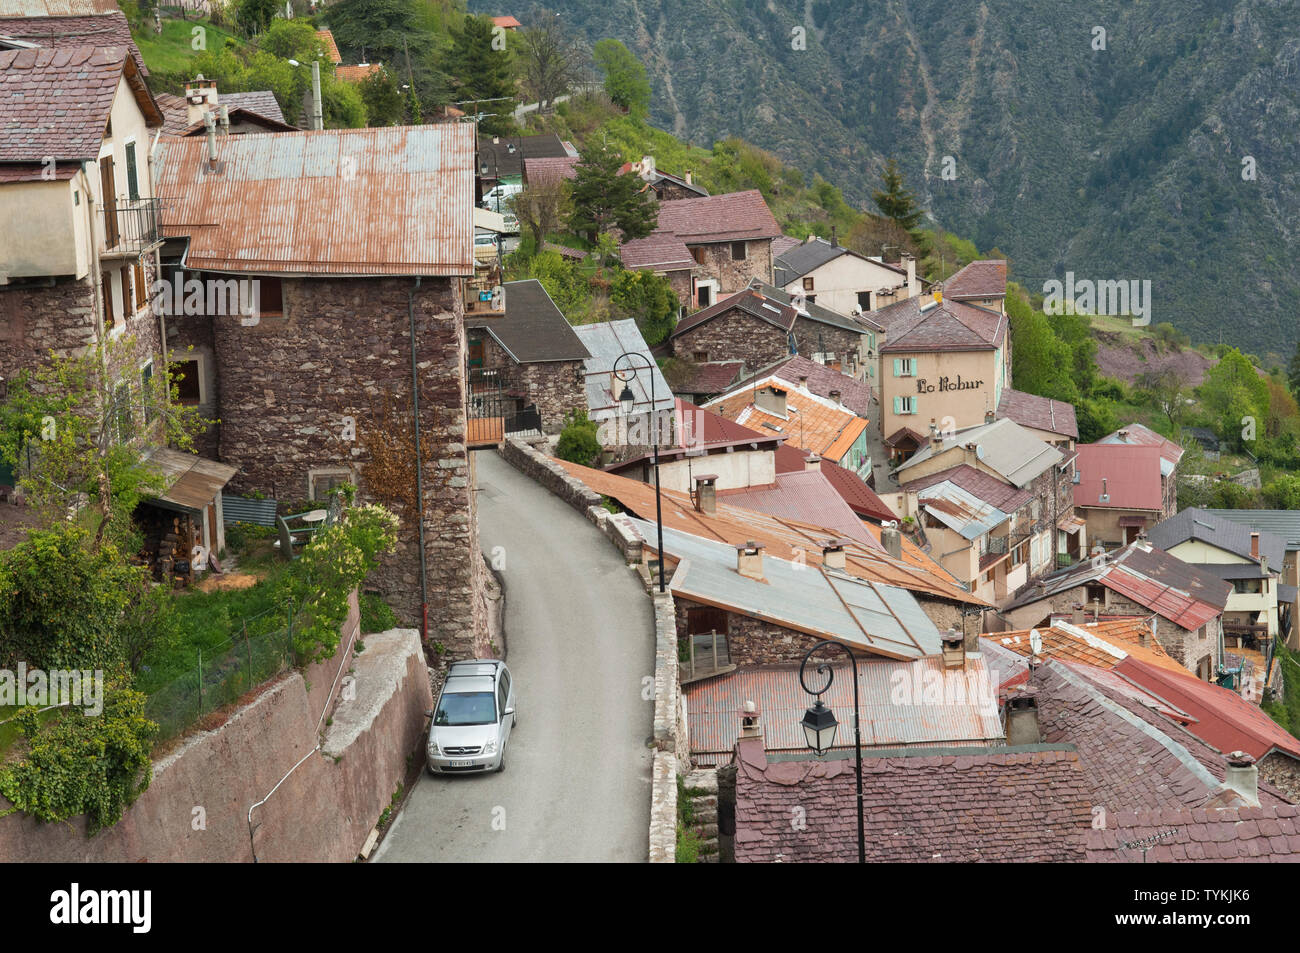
x=397 y=33
x=626 y=82
x=895 y=201
x=1236 y=398
x=649 y=299
x=342 y=105
x=1038 y=353
x=384 y=103
x=1166 y=392
x=482 y=73
x=254 y=16
x=1283 y=492
x=578 y=442
x=1293 y=373
x=603 y=199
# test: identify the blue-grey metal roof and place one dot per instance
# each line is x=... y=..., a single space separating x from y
x=238 y=509
x=605 y=342
x=876 y=618
x=1285 y=524
x=959 y=510
x=1207 y=527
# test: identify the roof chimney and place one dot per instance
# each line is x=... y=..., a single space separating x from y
x=954 y=649
x=892 y=540
x=210 y=126
x=749 y=561
x=1076 y=613
x=771 y=400
x=835 y=396
x=1254 y=545
x=1022 y=718
x=223 y=119
x=812 y=462
x=200 y=94
x=750 y=724
x=833 y=554
x=972 y=454
x=689 y=177
x=803 y=380
x=911 y=275
x=835 y=242
x=989 y=416
x=936 y=440
x=1242 y=775
x=706 y=493
x=1122 y=434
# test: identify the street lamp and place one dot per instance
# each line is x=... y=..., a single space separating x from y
x=317 y=114
x=627 y=403
x=819 y=724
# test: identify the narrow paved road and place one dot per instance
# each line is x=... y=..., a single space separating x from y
x=579 y=636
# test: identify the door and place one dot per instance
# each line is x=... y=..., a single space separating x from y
x=108 y=193
x=505 y=702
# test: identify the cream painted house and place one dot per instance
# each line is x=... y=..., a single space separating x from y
x=842 y=280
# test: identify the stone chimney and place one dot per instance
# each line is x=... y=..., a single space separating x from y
x=833 y=554
x=200 y=96
x=771 y=400
x=751 y=726
x=954 y=649
x=1254 y=545
x=1022 y=718
x=812 y=462
x=749 y=560
x=706 y=493
x=912 y=287
x=689 y=177
x=892 y=540
x=972 y=453
x=1076 y=614
x=1242 y=776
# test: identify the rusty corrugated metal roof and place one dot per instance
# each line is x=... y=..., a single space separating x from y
x=396 y=200
x=904 y=703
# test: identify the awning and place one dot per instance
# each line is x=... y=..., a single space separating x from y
x=192 y=482
x=904 y=433
x=1071 y=525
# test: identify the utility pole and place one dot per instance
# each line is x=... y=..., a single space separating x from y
x=317 y=113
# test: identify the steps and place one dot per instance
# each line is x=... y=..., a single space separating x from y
x=702 y=788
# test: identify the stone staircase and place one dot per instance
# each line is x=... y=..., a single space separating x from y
x=704 y=782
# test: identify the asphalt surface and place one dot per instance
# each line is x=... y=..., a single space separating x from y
x=580 y=641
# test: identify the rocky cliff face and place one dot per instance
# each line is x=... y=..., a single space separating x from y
x=1110 y=140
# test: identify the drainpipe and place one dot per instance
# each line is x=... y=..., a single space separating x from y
x=419 y=467
x=157 y=264
x=97 y=275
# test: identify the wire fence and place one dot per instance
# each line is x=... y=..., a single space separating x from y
x=259 y=651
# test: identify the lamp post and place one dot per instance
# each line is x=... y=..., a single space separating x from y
x=627 y=401
x=317 y=114
x=819 y=722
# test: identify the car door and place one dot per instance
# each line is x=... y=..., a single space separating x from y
x=503 y=695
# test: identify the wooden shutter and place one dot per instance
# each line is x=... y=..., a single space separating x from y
x=898 y=405
x=898 y=367
x=108 y=196
x=109 y=319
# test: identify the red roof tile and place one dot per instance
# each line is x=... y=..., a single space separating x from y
x=56 y=102
x=1131 y=475
x=103 y=27
x=861 y=499
x=658 y=251
x=946 y=326
x=1223 y=718
x=732 y=216
x=331 y=48
x=355 y=74
x=545 y=169
x=979 y=279
x=1040 y=413
x=1245 y=834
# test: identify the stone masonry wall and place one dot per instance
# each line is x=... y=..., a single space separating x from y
x=752 y=641
x=342 y=349
x=734 y=275
x=809 y=336
x=556 y=387
x=734 y=336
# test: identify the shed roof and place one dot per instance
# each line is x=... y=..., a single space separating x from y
x=533 y=329
x=191 y=481
x=394 y=200
x=605 y=343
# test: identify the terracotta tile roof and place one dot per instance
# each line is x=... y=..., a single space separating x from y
x=331 y=48
x=355 y=74
x=782 y=538
x=544 y=169
x=658 y=251
x=979 y=279
x=948 y=716
x=1223 y=718
x=1131 y=757
x=508 y=22
x=107 y=28
x=922 y=325
x=983 y=486
x=812 y=422
x=732 y=216
x=1039 y=413
x=1233 y=835
x=861 y=498
x=1103 y=644
x=1131 y=475
x=281 y=205
x=921 y=805
x=56 y=102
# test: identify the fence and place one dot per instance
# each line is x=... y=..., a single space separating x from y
x=260 y=650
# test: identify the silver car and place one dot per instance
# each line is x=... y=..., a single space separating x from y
x=473 y=720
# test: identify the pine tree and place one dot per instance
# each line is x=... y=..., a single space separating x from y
x=1293 y=372
x=482 y=70
x=896 y=202
x=603 y=199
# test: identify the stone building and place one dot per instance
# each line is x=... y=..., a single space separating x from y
x=530 y=354
x=357 y=249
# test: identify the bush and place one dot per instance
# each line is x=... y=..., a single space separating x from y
x=579 y=442
x=376 y=614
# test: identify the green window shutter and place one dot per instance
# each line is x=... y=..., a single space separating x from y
x=898 y=367
x=898 y=405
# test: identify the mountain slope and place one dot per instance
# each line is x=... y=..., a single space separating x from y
x=1119 y=163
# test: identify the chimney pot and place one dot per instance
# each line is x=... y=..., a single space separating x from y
x=1242 y=775
x=751 y=725
x=812 y=462
x=954 y=649
x=989 y=416
x=706 y=493
x=892 y=540
x=749 y=560
x=1022 y=718
x=833 y=554
x=1254 y=545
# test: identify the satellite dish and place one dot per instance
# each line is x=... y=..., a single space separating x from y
x=1035 y=642
x=979 y=451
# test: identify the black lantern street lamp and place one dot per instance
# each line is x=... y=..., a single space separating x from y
x=627 y=403
x=819 y=724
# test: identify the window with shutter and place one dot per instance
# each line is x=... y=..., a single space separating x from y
x=898 y=405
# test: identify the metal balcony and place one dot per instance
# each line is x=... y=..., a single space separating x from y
x=130 y=226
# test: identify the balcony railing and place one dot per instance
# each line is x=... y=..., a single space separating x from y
x=131 y=225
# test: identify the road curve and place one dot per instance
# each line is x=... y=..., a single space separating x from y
x=580 y=642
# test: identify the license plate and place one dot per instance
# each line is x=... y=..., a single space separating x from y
x=462 y=764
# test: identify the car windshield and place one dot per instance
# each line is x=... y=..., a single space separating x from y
x=466 y=708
